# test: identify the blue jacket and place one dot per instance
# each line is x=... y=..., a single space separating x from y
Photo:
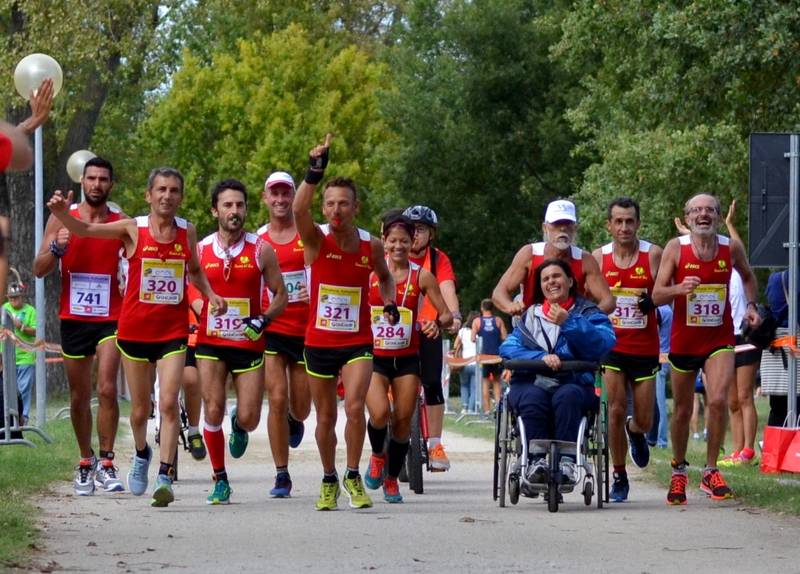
x=586 y=335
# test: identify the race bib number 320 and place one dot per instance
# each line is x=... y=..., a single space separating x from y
x=705 y=306
x=162 y=281
x=338 y=308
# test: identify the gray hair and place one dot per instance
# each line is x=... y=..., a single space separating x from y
x=717 y=204
x=164 y=172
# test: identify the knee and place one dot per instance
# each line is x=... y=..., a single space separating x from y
x=213 y=414
x=354 y=410
x=247 y=419
x=733 y=405
x=716 y=403
x=168 y=411
x=107 y=394
x=277 y=400
x=140 y=413
x=618 y=411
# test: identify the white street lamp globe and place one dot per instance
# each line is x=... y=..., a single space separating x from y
x=32 y=70
x=76 y=162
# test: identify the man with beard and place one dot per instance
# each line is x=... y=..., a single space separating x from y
x=238 y=264
x=695 y=272
x=89 y=308
x=560 y=226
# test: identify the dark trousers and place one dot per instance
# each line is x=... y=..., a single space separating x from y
x=552 y=414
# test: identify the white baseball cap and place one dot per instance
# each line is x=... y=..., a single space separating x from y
x=560 y=210
x=277 y=177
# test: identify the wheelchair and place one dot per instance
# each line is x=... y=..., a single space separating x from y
x=512 y=449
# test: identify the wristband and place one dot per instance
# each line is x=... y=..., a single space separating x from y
x=58 y=252
x=314 y=176
x=457 y=316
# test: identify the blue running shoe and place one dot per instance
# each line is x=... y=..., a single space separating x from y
x=162 y=494
x=296 y=431
x=221 y=493
x=391 y=491
x=237 y=441
x=637 y=446
x=283 y=486
x=620 y=488
x=137 y=475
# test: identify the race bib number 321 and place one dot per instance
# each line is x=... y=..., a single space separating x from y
x=338 y=308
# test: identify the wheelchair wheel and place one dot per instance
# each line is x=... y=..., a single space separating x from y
x=414 y=460
x=601 y=456
x=501 y=454
x=555 y=476
x=587 y=493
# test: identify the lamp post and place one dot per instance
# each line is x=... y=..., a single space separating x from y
x=76 y=163
x=29 y=74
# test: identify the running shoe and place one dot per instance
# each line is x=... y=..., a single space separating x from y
x=221 y=493
x=105 y=476
x=391 y=490
x=296 y=431
x=437 y=458
x=730 y=460
x=538 y=471
x=328 y=496
x=354 y=488
x=162 y=493
x=748 y=456
x=374 y=478
x=283 y=486
x=237 y=441
x=137 y=475
x=677 y=489
x=620 y=487
x=569 y=471
x=84 y=477
x=715 y=486
x=637 y=446
x=197 y=447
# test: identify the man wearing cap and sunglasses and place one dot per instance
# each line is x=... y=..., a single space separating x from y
x=23 y=315
x=285 y=371
x=560 y=226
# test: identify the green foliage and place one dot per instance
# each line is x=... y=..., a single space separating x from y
x=262 y=109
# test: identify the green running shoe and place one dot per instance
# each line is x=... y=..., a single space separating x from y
x=162 y=494
x=328 y=496
x=237 y=442
x=221 y=494
x=354 y=488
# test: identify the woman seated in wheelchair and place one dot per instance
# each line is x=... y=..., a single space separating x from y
x=559 y=326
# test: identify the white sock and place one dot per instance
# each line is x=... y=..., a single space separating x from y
x=433 y=441
x=192 y=430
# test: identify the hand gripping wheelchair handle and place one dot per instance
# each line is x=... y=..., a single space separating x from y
x=540 y=367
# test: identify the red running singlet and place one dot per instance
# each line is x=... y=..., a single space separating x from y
x=90 y=276
x=537 y=258
x=339 y=314
x=155 y=307
x=702 y=320
x=402 y=339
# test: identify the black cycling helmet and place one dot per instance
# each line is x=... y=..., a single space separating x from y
x=422 y=214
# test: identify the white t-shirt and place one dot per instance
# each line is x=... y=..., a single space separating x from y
x=467 y=344
x=738 y=301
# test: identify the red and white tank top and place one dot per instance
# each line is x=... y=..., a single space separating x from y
x=155 y=307
x=294 y=319
x=236 y=275
x=637 y=334
x=89 y=276
x=339 y=314
x=702 y=322
x=402 y=339
x=537 y=258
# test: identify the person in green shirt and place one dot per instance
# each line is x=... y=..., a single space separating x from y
x=23 y=316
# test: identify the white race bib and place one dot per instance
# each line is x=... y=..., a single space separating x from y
x=230 y=325
x=89 y=294
x=705 y=306
x=295 y=282
x=391 y=337
x=338 y=308
x=162 y=281
x=627 y=314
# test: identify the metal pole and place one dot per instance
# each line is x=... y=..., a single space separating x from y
x=41 y=381
x=794 y=212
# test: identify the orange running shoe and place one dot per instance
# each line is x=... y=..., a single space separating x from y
x=677 y=489
x=438 y=458
x=715 y=486
x=374 y=478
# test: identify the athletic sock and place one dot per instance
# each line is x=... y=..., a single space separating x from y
x=220 y=474
x=282 y=470
x=144 y=453
x=330 y=477
x=433 y=441
x=215 y=445
x=377 y=438
x=109 y=454
x=352 y=473
x=192 y=430
x=620 y=469
x=397 y=455
x=166 y=469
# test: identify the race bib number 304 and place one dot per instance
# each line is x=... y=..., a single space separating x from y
x=705 y=306
x=230 y=326
x=391 y=337
x=162 y=281
x=338 y=308
x=295 y=282
x=89 y=294
x=627 y=314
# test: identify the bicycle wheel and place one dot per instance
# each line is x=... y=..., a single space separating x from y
x=501 y=450
x=414 y=458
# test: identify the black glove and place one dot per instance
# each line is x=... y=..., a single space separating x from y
x=316 y=167
x=393 y=312
x=254 y=326
x=645 y=303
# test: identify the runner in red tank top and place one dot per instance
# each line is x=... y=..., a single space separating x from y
x=694 y=272
x=90 y=305
x=153 y=321
x=238 y=266
x=284 y=366
x=629 y=266
x=396 y=363
x=560 y=227
x=338 y=336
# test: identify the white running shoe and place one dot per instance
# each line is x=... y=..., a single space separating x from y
x=105 y=476
x=84 y=477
